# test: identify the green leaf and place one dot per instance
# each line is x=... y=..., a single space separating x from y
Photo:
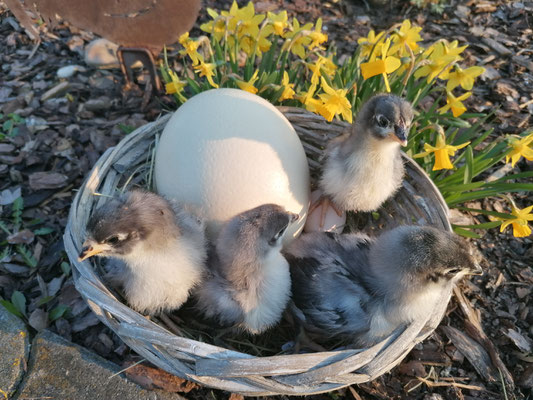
x=485 y=225
x=486 y=212
x=57 y=312
x=43 y=231
x=65 y=267
x=26 y=255
x=469 y=165
x=16 y=213
x=19 y=301
x=43 y=300
x=465 y=232
x=11 y=308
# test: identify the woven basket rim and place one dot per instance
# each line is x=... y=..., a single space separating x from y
x=213 y=366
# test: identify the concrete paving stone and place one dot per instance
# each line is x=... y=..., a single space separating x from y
x=14 y=351
x=59 y=369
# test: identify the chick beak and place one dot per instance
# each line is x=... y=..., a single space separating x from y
x=90 y=249
x=476 y=270
x=400 y=135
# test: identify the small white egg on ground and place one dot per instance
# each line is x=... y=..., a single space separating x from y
x=332 y=221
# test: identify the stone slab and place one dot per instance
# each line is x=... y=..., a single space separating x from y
x=14 y=350
x=59 y=369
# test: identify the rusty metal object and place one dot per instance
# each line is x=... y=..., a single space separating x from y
x=128 y=56
x=20 y=13
x=141 y=27
x=133 y=23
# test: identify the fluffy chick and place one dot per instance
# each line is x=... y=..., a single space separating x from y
x=248 y=284
x=162 y=244
x=364 y=167
x=360 y=289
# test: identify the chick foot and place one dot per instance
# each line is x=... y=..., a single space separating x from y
x=304 y=341
x=324 y=201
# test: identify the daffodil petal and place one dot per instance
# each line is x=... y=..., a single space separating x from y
x=392 y=64
x=373 y=68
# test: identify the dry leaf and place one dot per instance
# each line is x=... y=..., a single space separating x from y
x=155 y=378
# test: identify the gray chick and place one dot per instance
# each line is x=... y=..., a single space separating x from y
x=248 y=284
x=162 y=244
x=360 y=289
x=364 y=167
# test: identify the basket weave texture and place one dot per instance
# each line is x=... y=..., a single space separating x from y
x=417 y=202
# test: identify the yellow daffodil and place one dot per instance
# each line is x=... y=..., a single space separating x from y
x=455 y=103
x=258 y=44
x=315 y=69
x=217 y=27
x=297 y=39
x=191 y=47
x=244 y=20
x=520 y=148
x=306 y=98
x=463 y=77
x=519 y=222
x=288 y=88
x=442 y=152
x=452 y=49
x=405 y=36
x=435 y=68
x=317 y=37
x=279 y=22
x=441 y=57
x=207 y=70
x=175 y=85
x=368 y=43
x=328 y=66
x=249 y=85
x=385 y=65
x=335 y=102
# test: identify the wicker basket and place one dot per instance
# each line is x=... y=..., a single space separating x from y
x=417 y=202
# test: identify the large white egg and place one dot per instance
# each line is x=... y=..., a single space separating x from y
x=227 y=151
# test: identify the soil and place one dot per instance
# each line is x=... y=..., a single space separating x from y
x=45 y=160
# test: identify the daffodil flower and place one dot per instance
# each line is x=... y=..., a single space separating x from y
x=328 y=66
x=279 y=22
x=217 y=27
x=520 y=148
x=297 y=39
x=519 y=222
x=306 y=98
x=249 y=85
x=441 y=57
x=368 y=43
x=175 y=85
x=288 y=88
x=406 y=36
x=463 y=77
x=315 y=69
x=317 y=37
x=244 y=20
x=207 y=70
x=455 y=103
x=385 y=65
x=442 y=152
x=191 y=47
x=335 y=102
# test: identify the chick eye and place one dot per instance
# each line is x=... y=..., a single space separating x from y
x=382 y=121
x=277 y=236
x=112 y=240
x=454 y=271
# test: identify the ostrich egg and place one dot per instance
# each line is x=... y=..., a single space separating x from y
x=226 y=151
